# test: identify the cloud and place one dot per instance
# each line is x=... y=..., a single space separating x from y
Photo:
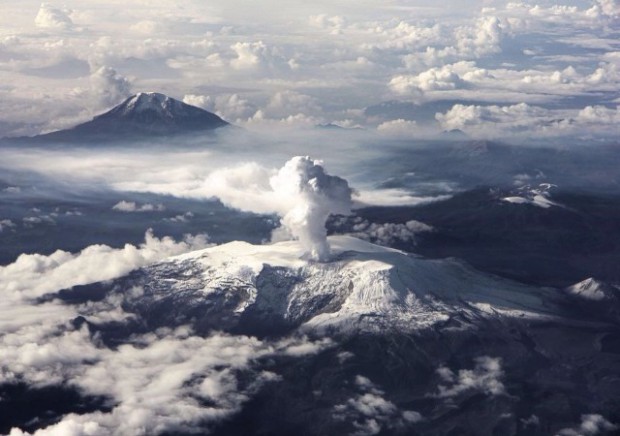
x=332 y=24
x=6 y=224
x=388 y=234
x=108 y=87
x=158 y=384
x=370 y=413
x=311 y=195
x=341 y=57
x=166 y=381
x=287 y=103
x=484 y=38
x=31 y=221
x=34 y=275
x=392 y=197
x=183 y=218
x=231 y=107
x=399 y=128
x=402 y=36
x=131 y=206
x=249 y=55
x=485 y=377
x=50 y=17
x=445 y=78
x=591 y=424
x=610 y=8
x=529 y=121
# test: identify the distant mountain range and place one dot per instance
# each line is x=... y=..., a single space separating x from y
x=146 y=114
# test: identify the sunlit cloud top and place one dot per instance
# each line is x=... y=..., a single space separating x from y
x=488 y=68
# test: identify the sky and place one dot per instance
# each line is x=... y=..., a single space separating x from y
x=489 y=68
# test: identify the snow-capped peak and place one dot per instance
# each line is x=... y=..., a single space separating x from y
x=364 y=286
x=592 y=289
x=152 y=101
x=538 y=196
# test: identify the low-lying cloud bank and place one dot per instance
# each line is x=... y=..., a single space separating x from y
x=35 y=275
x=168 y=380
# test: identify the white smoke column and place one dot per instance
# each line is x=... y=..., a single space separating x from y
x=310 y=196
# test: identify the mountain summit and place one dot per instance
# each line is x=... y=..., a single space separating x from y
x=158 y=112
x=146 y=114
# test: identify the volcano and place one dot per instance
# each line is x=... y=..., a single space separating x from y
x=143 y=115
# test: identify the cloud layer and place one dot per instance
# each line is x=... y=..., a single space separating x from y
x=75 y=60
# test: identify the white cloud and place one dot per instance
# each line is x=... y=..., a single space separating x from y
x=31 y=221
x=108 y=87
x=591 y=424
x=157 y=382
x=341 y=56
x=148 y=27
x=389 y=233
x=131 y=206
x=249 y=55
x=6 y=224
x=34 y=275
x=485 y=377
x=370 y=413
x=286 y=103
x=445 y=78
x=484 y=38
x=332 y=24
x=610 y=8
x=182 y=218
x=529 y=121
x=50 y=17
x=399 y=128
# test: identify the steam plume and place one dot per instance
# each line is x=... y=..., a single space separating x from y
x=309 y=195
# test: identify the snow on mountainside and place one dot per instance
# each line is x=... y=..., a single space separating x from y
x=364 y=287
x=153 y=105
x=593 y=290
x=538 y=196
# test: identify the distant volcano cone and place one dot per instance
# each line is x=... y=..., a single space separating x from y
x=146 y=114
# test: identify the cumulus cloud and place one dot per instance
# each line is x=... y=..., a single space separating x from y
x=287 y=103
x=158 y=382
x=398 y=128
x=6 y=224
x=182 y=218
x=484 y=38
x=34 y=275
x=131 y=206
x=50 y=17
x=371 y=413
x=31 y=221
x=444 y=78
x=231 y=107
x=342 y=58
x=591 y=424
x=485 y=377
x=249 y=55
x=108 y=87
x=389 y=234
x=332 y=24
x=610 y=8
x=529 y=121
